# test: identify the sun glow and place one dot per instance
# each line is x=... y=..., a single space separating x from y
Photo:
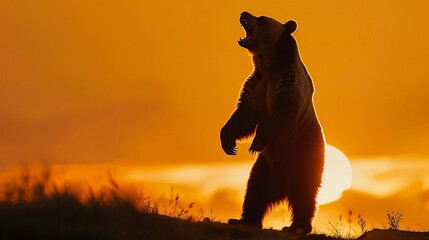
x=337 y=176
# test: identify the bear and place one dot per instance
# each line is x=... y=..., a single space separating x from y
x=275 y=106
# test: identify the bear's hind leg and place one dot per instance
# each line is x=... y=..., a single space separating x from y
x=307 y=175
x=303 y=208
x=263 y=190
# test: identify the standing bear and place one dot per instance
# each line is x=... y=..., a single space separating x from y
x=276 y=106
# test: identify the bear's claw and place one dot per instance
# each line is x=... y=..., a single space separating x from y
x=228 y=143
x=229 y=149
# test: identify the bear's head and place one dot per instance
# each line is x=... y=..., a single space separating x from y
x=263 y=32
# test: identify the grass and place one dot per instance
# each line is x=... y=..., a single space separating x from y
x=35 y=206
x=393 y=219
x=342 y=230
x=345 y=228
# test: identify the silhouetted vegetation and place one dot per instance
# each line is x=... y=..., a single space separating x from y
x=34 y=206
x=393 y=219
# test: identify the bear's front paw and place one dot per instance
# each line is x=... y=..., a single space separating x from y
x=257 y=146
x=228 y=143
x=229 y=147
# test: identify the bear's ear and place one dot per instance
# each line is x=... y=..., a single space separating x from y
x=290 y=26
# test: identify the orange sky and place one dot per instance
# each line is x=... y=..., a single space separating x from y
x=150 y=83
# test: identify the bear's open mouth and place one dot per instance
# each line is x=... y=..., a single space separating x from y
x=249 y=31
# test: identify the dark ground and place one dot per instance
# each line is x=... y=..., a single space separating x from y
x=64 y=217
x=35 y=208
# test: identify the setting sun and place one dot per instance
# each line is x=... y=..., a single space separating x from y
x=337 y=176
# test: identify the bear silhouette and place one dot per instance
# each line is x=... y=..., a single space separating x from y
x=276 y=106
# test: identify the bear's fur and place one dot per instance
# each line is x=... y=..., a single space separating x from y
x=276 y=105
